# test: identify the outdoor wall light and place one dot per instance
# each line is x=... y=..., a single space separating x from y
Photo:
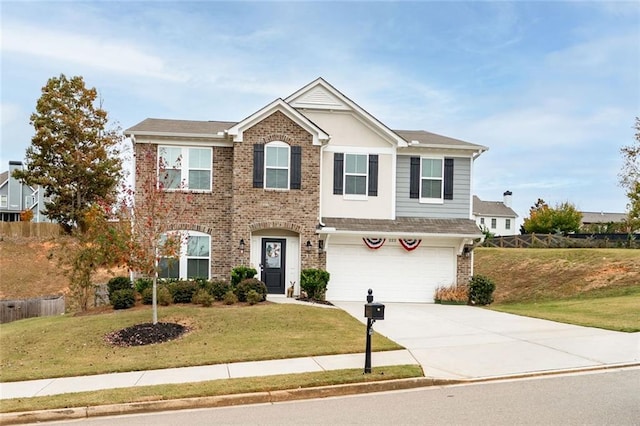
x=308 y=245
x=241 y=247
x=320 y=246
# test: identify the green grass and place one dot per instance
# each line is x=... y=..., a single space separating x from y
x=210 y=388
x=615 y=309
x=74 y=345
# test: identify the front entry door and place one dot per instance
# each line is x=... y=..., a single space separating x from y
x=273 y=264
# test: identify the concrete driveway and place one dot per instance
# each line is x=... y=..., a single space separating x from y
x=468 y=342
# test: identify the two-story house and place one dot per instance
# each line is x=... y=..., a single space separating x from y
x=16 y=197
x=315 y=181
x=496 y=217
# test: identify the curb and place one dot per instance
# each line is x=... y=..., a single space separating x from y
x=270 y=397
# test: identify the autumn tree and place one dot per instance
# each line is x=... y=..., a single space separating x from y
x=630 y=178
x=73 y=155
x=564 y=218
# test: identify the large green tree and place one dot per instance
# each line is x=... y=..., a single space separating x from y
x=564 y=218
x=630 y=178
x=73 y=155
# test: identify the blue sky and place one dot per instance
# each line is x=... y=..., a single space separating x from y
x=552 y=88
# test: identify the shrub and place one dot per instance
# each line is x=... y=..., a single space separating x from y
x=123 y=299
x=314 y=283
x=183 y=291
x=254 y=297
x=230 y=298
x=241 y=273
x=143 y=283
x=249 y=284
x=481 y=290
x=218 y=289
x=164 y=296
x=118 y=283
x=147 y=296
x=202 y=297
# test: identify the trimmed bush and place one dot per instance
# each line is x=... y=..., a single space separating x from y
x=123 y=299
x=164 y=296
x=183 y=291
x=241 y=273
x=481 y=290
x=249 y=284
x=202 y=297
x=230 y=298
x=118 y=283
x=218 y=289
x=143 y=283
x=147 y=296
x=253 y=297
x=314 y=283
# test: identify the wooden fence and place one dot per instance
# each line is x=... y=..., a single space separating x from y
x=570 y=241
x=12 y=310
x=30 y=229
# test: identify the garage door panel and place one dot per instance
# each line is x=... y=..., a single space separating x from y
x=394 y=274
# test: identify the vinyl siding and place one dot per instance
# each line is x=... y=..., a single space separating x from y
x=458 y=208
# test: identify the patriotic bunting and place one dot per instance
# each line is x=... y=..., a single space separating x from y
x=374 y=243
x=410 y=244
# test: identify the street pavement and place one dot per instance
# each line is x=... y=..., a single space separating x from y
x=449 y=342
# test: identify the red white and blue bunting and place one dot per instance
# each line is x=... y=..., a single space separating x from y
x=374 y=243
x=410 y=244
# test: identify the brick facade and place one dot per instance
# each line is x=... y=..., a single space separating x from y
x=463 y=272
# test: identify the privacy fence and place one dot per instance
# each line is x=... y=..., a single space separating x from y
x=12 y=310
x=30 y=229
x=569 y=241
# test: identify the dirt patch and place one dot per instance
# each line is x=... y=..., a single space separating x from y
x=146 y=334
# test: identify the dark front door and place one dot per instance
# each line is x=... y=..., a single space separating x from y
x=273 y=264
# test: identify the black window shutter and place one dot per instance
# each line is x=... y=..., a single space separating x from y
x=258 y=166
x=296 y=167
x=373 y=175
x=338 y=171
x=414 y=178
x=448 y=178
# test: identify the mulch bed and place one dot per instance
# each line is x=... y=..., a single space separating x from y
x=146 y=334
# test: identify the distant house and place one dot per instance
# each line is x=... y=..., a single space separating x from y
x=16 y=197
x=495 y=216
x=602 y=222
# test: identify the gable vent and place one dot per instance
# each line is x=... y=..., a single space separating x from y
x=318 y=97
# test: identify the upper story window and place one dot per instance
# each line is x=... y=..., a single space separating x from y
x=355 y=175
x=482 y=221
x=185 y=168
x=277 y=165
x=431 y=179
x=3 y=201
x=507 y=224
x=494 y=223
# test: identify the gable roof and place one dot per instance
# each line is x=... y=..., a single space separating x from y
x=318 y=134
x=602 y=217
x=433 y=140
x=321 y=95
x=4 y=177
x=491 y=208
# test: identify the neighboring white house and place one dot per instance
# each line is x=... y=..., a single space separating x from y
x=16 y=197
x=496 y=216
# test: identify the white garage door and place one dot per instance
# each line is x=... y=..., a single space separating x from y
x=394 y=274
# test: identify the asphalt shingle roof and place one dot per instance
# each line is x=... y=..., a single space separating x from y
x=602 y=217
x=160 y=125
x=491 y=208
x=405 y=225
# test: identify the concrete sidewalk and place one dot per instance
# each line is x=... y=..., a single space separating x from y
x=449 y=342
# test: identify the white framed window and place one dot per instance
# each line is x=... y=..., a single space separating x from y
x=187 y=168
x=3 y=201
x=507 y=224
x=355 y=174
x=431 y=180
x=494 y=223
x=276 y=172
x=482 y=221
x=194 y=260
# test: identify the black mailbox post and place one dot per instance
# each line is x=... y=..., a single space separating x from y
x=372 y=311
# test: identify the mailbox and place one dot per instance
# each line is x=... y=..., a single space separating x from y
x=374 y=311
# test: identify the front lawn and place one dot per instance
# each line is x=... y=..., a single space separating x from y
x=62 y=346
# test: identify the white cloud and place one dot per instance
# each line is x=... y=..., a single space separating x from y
x=107 y=54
